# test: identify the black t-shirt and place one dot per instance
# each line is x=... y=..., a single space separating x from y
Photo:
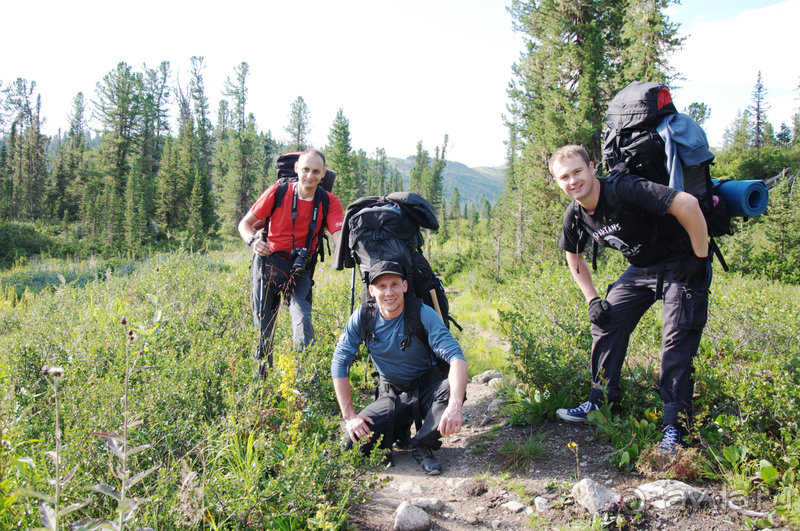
x=642 y=231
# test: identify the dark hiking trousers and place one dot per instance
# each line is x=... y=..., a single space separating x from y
x=684 y=314
x=299 y=299
x=433 y=399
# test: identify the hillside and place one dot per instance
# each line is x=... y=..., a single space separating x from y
x=471 y=182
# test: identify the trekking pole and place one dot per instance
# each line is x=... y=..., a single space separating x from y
x=263 y=295
x=353 y=289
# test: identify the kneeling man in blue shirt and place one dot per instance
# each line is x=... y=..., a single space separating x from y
x=412 y=388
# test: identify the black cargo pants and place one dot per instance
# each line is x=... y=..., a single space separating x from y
x=684 y=314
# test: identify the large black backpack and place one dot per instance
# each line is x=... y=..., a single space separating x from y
x=387 y=228
x=633 y=145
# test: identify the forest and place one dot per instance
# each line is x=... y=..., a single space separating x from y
x=129 y=397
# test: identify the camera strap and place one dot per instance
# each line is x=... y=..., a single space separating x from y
x=312 y=226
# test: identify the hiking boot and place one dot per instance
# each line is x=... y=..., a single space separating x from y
x=577 y=414
x=424 y=456
x=672 y=439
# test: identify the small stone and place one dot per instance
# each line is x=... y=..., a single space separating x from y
x=428 y=504
x=479 y=510
x=667 y=492
x=514 y=506
x=528 y=511
x=496 y=524
x=471 y=519
x=494 y=406
x=583 y=464
x=608 y=481
x=541 y=504
x=410 y=518
x=593 y=496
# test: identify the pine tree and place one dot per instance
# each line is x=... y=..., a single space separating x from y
x=6 y=184
x=435 y=187
x=299 y=127
x=194 y=225
x=380 y=173
x=759 y=112
x=27 y=151
x=118 y=109
x=455 y=204
x=203 y=144
x=700 y=112
x=784 y=136
x=648 y=41
x=340 y=158
x=416 y=179
x=236 y=91
x=363 y=173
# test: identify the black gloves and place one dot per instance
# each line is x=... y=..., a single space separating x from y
x=688 y=270
x=599 y=311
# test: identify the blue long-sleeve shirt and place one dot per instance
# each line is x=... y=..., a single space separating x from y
x=394 y=364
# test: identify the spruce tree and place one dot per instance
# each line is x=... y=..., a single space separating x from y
x=700 y=112
x=194 y=224
x=455 y=204
x=648 y=41
x=299 y=126
x=416 y=179
x=759 y=112
x=340 y=158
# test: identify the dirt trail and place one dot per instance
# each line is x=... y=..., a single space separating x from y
x=474 y=453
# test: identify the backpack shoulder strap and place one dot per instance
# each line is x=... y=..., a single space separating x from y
x=369 y=316
x=280 y=193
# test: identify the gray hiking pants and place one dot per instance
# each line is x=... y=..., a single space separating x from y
x=684 y=314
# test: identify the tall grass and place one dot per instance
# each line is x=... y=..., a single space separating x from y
x=194 y=389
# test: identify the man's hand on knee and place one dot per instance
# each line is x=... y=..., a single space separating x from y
x=357 y=428
x=451 y=421
x=599 y=311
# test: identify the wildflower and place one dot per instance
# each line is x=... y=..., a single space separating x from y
x=124 y=320
x=45 y=370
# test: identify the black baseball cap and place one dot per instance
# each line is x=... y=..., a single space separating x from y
x=383 y=268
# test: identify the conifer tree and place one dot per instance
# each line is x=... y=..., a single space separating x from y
x=118 y=109
x=203 y=143
x=648 y=40
x=435 y=186
x=299 y=126
x=194 y=225
x=363 y=173
x=759 y=112
x=379 y=172
x=455 y=204
x=416 y=179
x=700 y=112
x=340 y=158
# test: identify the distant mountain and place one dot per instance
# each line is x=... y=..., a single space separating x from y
x=471 y=182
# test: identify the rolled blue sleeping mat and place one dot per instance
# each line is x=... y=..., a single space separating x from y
x=744 y=198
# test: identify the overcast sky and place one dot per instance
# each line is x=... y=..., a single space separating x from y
x=402 y=72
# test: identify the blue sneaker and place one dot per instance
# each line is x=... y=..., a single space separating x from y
x=577 y=414
x=672 y=438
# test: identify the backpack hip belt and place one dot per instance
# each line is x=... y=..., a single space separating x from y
x=391 y=390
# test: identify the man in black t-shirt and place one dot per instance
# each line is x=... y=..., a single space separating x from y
x=662 y=233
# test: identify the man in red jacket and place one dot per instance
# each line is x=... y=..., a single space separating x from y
x=302 y=207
